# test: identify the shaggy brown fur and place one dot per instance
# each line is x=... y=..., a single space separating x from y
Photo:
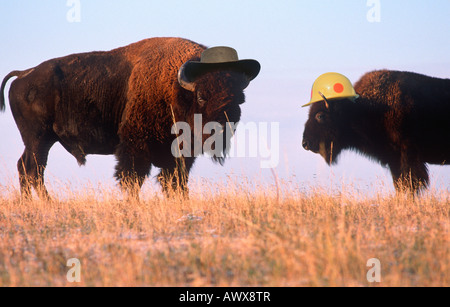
x=121 y=102
x=400 y=120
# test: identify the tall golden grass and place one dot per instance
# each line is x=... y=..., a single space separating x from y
x=237 y=233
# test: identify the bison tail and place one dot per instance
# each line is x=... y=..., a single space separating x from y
x=15 y=73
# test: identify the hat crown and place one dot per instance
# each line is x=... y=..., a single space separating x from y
x=216 y=59
x=331 y=85
x=219 y=55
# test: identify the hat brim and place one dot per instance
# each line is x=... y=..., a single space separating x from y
x=336 y=98
x=194 y=69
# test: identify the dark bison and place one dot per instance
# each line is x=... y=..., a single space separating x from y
x=400 y=119
x=124 y=102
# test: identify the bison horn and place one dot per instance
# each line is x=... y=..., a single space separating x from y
x=325 y=100
x=183 y=80
x=247 y=83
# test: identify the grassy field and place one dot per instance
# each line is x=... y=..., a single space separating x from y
x=231 y=234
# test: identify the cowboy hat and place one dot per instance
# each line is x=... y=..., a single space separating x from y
x=218 y=58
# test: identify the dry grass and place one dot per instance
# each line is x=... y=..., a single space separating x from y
x=233 y=234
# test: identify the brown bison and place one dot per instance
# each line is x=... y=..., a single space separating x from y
x=125 y=102
x=400 y=119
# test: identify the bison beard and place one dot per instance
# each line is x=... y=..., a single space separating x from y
x=122 y=102
x=400 y=121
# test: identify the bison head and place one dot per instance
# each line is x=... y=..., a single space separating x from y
x=218 y=81
x=327 y=129
x=217 y=96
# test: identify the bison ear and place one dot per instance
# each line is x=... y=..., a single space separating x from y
x=200 y=99
x=183 y=80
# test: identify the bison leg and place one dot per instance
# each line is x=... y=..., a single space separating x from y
x=131 y=173
x=24 y=178
x=411 y=175
x=175 y=179
x=31 y=167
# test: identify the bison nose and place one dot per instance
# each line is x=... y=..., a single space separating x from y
x=305 y=145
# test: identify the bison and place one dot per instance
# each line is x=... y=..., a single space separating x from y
x=125 y=102
x=399 y=119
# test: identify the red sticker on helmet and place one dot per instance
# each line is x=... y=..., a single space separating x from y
x=338 y=88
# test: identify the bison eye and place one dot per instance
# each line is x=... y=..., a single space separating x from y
x=200 y=100
x=321 y=117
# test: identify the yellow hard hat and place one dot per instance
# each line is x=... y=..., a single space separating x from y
x=330 y=86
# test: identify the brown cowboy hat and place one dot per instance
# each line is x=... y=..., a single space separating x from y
x=218 y=58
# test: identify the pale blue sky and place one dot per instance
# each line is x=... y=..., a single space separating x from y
x=295 y=41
